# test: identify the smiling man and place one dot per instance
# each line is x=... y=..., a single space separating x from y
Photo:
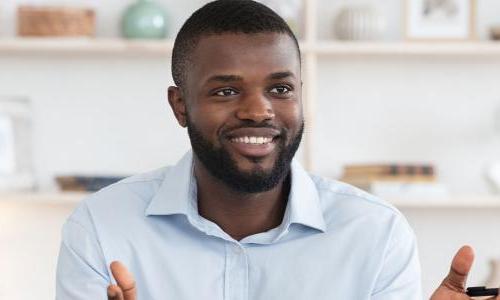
x=238 y=218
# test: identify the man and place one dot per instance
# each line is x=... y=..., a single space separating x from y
x=237 y=218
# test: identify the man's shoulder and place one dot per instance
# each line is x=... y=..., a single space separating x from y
x=140 y=187
x=342 y=201
x=130 y=195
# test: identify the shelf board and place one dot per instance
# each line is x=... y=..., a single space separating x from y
x=321 y=48
x=85 y=46
x=70 y=198
x=453 y=202
x=472 y=48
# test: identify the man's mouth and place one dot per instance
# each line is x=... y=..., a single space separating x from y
x=252 y=140
x=253 y=146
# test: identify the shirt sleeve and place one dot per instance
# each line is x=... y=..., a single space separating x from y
x=82 y=273
x=400 y=276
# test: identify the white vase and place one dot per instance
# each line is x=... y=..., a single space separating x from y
x=359 y=23
x=494 y=277
x=493 y=176
x=16 y=165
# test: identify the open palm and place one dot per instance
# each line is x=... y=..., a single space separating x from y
x=454 y=285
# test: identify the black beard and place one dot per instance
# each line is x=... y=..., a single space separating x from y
x=219 y=163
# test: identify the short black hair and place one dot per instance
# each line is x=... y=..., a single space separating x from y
x=223 y=16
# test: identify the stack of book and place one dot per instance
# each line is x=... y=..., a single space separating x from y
x=395 y=180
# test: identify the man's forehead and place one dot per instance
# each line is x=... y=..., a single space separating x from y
x=274 y=52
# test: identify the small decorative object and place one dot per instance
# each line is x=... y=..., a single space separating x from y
x=396 y=180
x=15 y=144
x=86 y=183
x=359 y=23
x=493 y=169
x=493 y=176
x=440 y=19
x=144 y=19
x=289 y=10
x=55 y=21
x=495 y=33
x=494 y=277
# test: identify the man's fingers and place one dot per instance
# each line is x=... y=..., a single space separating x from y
x=125 y=280
x=460 y=267
x=114 y=292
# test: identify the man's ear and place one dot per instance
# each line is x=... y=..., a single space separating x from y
x=178 y=104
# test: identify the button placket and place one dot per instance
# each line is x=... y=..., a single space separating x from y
x=236 y=275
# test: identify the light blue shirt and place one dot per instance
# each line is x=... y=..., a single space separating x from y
x=335 y=242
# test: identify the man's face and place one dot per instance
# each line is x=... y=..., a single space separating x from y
x=244 y=111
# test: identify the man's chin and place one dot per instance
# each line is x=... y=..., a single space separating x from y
x=254 y=164
x=248 y=174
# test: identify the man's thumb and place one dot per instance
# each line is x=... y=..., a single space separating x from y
x=124 y=279
x=460 y=267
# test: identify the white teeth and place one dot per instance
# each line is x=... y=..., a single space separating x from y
x=258 y=140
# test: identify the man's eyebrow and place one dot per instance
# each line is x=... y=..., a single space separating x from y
x=281 y=75
x=231 y=78
x=225 y=78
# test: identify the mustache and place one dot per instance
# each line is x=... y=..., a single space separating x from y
x=228 y=130
x=252 y=125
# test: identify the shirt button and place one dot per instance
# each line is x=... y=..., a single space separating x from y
x=237 y=249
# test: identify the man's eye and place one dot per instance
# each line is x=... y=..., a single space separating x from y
x=280 y=90
x=225 y=92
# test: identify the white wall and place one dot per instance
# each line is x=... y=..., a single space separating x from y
x=110 y=115
x=440 y=110
x=88 y=108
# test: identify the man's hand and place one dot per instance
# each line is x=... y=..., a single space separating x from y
x=125 y=287
x=453 y=286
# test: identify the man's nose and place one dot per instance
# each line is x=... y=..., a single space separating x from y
x=256 y=108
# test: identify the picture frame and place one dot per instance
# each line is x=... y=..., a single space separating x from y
x=16 y=165
x=440 y=19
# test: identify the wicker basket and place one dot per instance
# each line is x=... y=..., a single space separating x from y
x=55 y=21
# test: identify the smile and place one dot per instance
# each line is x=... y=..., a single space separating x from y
x=255 y=140
x=253 y=146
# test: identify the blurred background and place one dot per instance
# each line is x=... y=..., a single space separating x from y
x=402 y=98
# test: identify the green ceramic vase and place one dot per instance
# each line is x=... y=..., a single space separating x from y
x=144 y=19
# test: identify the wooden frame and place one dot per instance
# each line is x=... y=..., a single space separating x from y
x=453 y=22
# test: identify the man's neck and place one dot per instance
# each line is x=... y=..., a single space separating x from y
x=238 y=214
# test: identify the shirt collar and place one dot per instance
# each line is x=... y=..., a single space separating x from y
x=304 y=205
x=177 y=195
